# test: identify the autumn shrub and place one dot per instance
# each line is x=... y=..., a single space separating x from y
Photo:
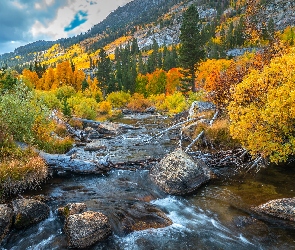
x=61 y=130
x=20 y=170
x=219 y=135
x=138 y=103
x=7 y=145
x=118 y=99
x=76 y=123
x=262 y=111
x=105 y=108
x=175 y=103
x=83 y=107
x=48 y=140
x=216 y=136
x=158 y=101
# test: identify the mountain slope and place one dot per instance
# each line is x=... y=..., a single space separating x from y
x=145 y=20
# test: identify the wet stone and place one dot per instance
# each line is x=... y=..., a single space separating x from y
x=86 y=229
x=279 y=208
x=177 y=173
x=6 y=215
x=29 y=211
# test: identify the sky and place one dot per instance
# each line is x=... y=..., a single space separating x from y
x=26 y=21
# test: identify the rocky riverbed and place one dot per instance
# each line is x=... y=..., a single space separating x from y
x=136 y=213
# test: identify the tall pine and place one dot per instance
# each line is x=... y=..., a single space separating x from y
x=104 y=72
x=191 y=47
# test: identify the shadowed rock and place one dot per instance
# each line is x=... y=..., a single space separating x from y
x=280 y=208
x=145 y=216
x=6 y=216
x=83 y=230
x=177 y=173
x=29 y=211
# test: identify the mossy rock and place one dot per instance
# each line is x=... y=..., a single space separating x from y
x=29 y=211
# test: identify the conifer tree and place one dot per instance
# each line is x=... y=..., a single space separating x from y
x=191 y=47
x=104 y=70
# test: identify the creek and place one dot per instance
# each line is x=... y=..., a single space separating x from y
x=216 y=216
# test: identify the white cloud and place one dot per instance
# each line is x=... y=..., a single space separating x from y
x=26 y=21
x=49 y=2
x=54 y=29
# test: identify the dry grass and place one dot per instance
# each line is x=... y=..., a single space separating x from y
x=20 y=171
x=216 y=136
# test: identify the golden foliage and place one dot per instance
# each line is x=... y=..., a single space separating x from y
x=262 y=112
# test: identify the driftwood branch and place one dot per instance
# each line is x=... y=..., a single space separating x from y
x=202 y=132
x=172 y=127
x=255 y=164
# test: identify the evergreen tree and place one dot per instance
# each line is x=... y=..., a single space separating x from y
x=154 y=59
x=134 y=47
x=141 y=65
x=239 y=32
x=104 y=70
x=191 y=47
x=85 y=84
x=271 y=29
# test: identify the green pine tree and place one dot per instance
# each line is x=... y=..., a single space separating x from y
x=104 y=71
x=191 y=47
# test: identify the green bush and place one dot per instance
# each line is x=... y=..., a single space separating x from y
x=65 y=92
x=175 y=103
x=118 y=99
x=83 y=107
x=50 y=99
x=19 y=108
x=197 y=96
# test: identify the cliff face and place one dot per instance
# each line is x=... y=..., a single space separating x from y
x=281 y=11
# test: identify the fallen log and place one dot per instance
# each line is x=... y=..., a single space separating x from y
x=67 y=163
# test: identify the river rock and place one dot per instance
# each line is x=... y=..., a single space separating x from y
x=29 y=211
x=72 y=208
x=142 y=216
x=280 y=208
x=83 y=230
x=109 y=128
x=94 y=146
x=177 y=173
x=6 y=215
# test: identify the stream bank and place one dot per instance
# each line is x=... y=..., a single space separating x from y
x=216 y=216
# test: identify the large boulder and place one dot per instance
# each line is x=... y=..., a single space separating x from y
x=29 y=211
x=280 y=208
x=83 y=230
x=6 y=215
x=177 y=173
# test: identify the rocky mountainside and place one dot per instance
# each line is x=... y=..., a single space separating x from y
x=281 y=11
x=146 y=20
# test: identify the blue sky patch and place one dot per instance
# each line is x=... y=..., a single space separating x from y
x=80 y=18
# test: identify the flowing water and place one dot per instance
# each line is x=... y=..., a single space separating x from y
x=216 y=216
